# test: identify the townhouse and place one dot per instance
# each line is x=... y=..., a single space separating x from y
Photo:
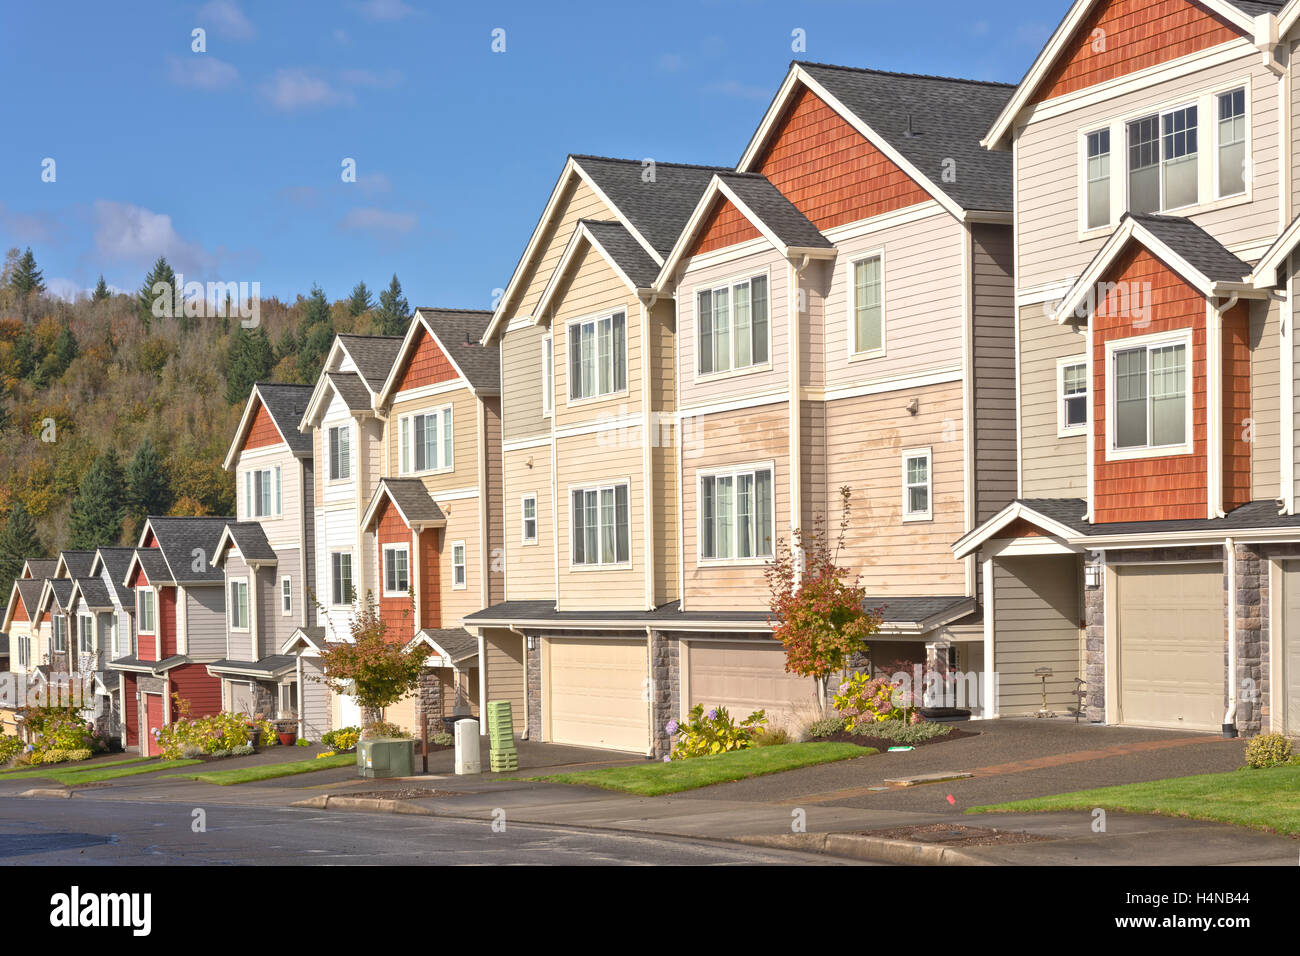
x=110 y=567
x=1150 y=551
x=29 y=634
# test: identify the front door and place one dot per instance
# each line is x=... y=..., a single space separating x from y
x=153 y=720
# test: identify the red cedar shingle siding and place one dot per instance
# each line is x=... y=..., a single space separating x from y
x=194 y=684
x=430 y=583
x=167 y=621
x=1162 y=488
x=262 y=431
x=724 y=226
x=427 y=365
x=397 y=612
x=20 y=610
x=831 y=173
x=1020 y=528
x=131 y=711
x=149 y=540
x=1137 y=34
x=1236 y=407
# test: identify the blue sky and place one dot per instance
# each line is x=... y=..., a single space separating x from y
x=229 y=161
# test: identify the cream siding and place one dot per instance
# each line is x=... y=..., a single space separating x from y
x=530 y=568
x=1051 y=466
x=1036 y=624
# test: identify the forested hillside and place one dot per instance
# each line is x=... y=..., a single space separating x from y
x=109 y=412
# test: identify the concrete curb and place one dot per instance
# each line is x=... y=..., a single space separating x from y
x=870 y=849
x=46 y=792
x=367 y=804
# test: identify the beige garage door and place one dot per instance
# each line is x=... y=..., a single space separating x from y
x=594 y=693
x=1291 y=647
x=1171 y=646
x=745 y=678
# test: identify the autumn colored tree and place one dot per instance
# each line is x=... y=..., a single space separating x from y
x=374 y=670
x=817 y=609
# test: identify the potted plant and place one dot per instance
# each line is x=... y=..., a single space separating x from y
x=287 y=731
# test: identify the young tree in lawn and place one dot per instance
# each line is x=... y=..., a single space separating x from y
x=394 y=313
x=98 y=509
x=18 y=542
x=817 y=610
x=372 y=669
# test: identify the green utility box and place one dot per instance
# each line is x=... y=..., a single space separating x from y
x=502 y=755
x=386 y=757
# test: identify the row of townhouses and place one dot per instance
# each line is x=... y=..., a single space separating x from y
x=1042 y=332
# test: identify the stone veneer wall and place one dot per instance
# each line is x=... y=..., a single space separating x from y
x=666 y=687
x=428 y=700
x=533 y=688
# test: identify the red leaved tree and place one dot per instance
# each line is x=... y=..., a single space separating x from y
x=817 y=610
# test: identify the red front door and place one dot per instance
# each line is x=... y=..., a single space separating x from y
x=153 y=717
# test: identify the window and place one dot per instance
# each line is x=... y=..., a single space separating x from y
x=1150 y=387
x=736 y=515
x=341 y=578
x=548 y=376
x=1098 y=177
x=145 y=612
x=86 y=643
x=458 y=565
x=1073 y=411
x=340 y=452
x=397 y=570
x=1232 y=143
x=262 y=493
x=426 y=441
x=60 y=632
x=288 y=701
x=25 y=650
x=867 y=305
x=1162 y=161
x=528 y=513
x=286 y=596
x=916 y=485
x=239 y=605
x=597 y=356
x=601 y=530
x=732 y=325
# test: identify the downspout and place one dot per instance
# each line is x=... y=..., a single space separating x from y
x=650 y=677
x=795 y=359
x=1230 y=562
x=647 y=473
x=1214 y=417
x=1286 y=433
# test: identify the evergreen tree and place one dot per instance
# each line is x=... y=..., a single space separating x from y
x=394 y=312
x=171 y=296
x=26 y=278
x=18 y=542
x=316 y=309
x=148 y=491
x=101 y=290
x=360 y=301
x=97 y=511
x=315 y=335
x=288 y=344
x=65 y=350
x=250 y=359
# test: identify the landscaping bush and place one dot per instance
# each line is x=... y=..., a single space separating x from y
x=901 y=732
x=825 y=727
x=714 y=732
x=345 y=738
x=80 y=754
x=864 y=699
x=59 y=728
x=382 y=728
x=772 y=737
x=443 y=739
x=53 y=755
x=10 y=747
x=242 y=750
x=302 y=742
x=212 y=735
x=1268 y=750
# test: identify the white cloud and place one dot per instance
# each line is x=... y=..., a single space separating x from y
x=132 y=235
x=385 y=10
x=202 y=71
x=378 y=223
x=226 y=18
x=66 y=289
x=296 y=89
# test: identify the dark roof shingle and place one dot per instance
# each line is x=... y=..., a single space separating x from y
x=622 y=247
x=1201 y=250
x=180 y=538
x=373 y=356
x=779 y=214
x=286 y=405
x=459 y=331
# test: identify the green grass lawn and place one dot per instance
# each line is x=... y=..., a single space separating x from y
x=1262 y=799
x=655 y=779
x=72 y=778
x=269 y=771
x=79 y=767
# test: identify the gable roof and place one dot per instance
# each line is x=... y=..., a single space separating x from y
x=653 y=212
x=1176 y=241
x=93 y=592
x=1265 y=274
x=373 y=355
x=152 y=563
x=285 y=405
x=612 y=243
x=60 y=589
x=115 y=561
x=1240 y=13
x=27 y=590
x=249 y=538
x=351 y=389
x=40 y=567
x=179 y=538
x=412 y=501
x=459 y=333
x=921 y=123
x=450 y=645
x=73 y=564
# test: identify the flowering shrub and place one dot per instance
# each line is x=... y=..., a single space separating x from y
x=1268 y=750
x=214 y=735
x=59 y=728
x=381 y=729
x=345 y=738
x=9 y=748
x=714 y=732
x=863 y=699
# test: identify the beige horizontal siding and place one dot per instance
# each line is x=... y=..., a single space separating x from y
x=530 y=569
x=995 y=369
x=1036 y=624
x=465 y=438
x=1052 y=467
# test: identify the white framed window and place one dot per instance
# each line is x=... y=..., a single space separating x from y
x=1097 y=178
x=286 y=595
x=1149 y=408
x=144 y=611
x=262 y=496
x=1230 y=133
x=60 y=632
x=601 y=529
x=287 y=702
x=426 y=441
x=1163 y=160
x=458 y=565
x=548 y=375
x=597 y=356
x=237 y=605
x=340 y=452
x=866 y=298
x=397 y=570
x=86 y=633
x=1072 y=395
x=917 y=485
x=25 y=651
x=736 y=514
x=732 y=325
x=528 y=519
x=341 y=578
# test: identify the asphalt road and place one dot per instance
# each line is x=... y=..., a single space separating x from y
x=88 y=832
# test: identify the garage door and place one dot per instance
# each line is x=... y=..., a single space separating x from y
x=1171 y=646
x=748 y=677
x=595 y=693
x=1291 y=647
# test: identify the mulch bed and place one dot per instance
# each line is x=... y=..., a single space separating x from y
x=882 y=744
x=948 y=834
x=405 y=793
